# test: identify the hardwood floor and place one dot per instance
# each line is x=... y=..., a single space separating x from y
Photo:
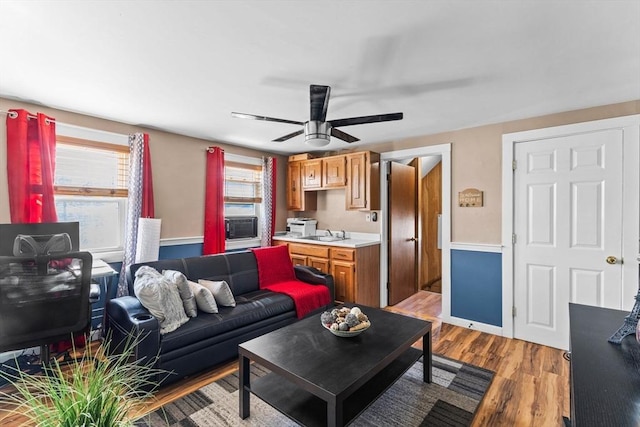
x=530 y=387
x=531 y=383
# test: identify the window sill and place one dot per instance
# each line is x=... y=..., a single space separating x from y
x=109 y=257
x=236 y=244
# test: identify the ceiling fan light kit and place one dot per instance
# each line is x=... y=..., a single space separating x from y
x=318 y=131
x=316 y=134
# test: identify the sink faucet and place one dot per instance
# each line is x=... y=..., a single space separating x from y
x=344 y=234
x=329 y=231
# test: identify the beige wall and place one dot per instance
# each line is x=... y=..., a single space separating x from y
x=332 y=214
x=476 y=157
x=178 y=164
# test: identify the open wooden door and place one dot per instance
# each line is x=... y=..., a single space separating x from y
x=402 y=280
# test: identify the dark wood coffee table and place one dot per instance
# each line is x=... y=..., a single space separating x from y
x=318 y=379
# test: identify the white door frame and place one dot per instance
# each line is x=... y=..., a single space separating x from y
x=443 y=150
x=630 y=126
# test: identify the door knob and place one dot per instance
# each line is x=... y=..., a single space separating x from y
x=412 y=239
x=611 y=259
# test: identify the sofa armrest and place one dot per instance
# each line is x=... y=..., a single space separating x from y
x=129 y=321
x=314 y=276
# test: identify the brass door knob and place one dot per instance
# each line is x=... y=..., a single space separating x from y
x=611 y=259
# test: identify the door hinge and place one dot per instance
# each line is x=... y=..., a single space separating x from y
x=514 y=239
x=514 y=164
x=513 y=311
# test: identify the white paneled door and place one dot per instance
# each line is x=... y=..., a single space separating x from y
x=568 y=231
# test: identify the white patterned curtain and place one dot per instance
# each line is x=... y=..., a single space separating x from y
x=134 y=207
x=268 y=200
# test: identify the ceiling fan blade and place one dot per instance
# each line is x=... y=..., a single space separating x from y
x=343 y=136
x=366 y=119
x=319 y=96
x=289 y=136
x=266 y=119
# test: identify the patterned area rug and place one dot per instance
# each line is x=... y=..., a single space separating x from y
x=450 y=400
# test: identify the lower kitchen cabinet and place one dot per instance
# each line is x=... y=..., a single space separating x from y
x=355 y=271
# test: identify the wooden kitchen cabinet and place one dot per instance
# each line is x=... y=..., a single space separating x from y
x=310 y=255
x=355 y=271
x=297 y=199
x=334 y=170
x=312 y=174
x=343 y=279
x=363 y=181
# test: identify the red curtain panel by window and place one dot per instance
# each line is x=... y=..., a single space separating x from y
x=31 y=154
x=214 y=233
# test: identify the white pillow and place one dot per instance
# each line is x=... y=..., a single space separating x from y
x=161 y=298
x=186 y=294
x=221 y=292
x=204 y=298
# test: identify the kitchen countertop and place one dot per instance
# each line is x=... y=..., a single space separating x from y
x=353 y=240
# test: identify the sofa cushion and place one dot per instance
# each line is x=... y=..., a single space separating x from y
x=186 y=294
x=250 y=308
x=161 y=298
x=221 y=292
x=238 y=269
x=274 y=265
x=204 y=298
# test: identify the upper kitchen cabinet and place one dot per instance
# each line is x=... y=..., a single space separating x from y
x=297 y=199
x=334 y=170
x=312 y=174
x=363 y=181
x=358 y=172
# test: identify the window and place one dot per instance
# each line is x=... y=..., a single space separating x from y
x=90 y=187
x=242 y=188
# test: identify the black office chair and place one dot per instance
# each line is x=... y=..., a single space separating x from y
x=44 y=297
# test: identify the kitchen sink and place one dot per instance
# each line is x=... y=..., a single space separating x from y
x=323 y=238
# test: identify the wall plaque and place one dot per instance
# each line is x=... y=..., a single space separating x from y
x=470 y=198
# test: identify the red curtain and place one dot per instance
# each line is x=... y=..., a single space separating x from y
x=31 y=155
x=147 y=182
x=214 y=231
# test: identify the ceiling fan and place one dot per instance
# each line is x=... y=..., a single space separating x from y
x=317 y=131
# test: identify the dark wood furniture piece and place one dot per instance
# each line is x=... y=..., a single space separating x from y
x=318 y=379
x=605 y=377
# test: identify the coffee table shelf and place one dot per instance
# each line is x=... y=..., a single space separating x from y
x=309 y=410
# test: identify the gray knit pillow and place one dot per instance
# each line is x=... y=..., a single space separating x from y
x=161 y=298
x=186 y=294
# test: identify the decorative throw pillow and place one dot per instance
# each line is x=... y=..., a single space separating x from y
x=274 y=265
x=204 y=298
x=221 y=292
x=161 y=298
x=186 y=294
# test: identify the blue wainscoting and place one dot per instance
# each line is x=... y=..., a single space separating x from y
x=476 y=286
x=180 y=251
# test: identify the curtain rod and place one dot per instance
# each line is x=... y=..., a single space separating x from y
x=66 y=129
x=13 y=115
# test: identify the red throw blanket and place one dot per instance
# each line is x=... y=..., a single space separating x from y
x=275 y=273
x=305 y=296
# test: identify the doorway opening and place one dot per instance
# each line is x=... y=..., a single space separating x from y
x=443 y=154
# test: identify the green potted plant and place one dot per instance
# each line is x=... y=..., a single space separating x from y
x=98 y=390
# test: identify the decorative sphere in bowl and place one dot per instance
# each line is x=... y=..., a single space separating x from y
x=345 y=321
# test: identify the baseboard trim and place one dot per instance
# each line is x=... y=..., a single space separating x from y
x=472 y=324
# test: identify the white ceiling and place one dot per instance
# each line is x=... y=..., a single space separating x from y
x=185 y=66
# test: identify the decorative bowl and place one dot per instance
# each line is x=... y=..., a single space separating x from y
x=347 y=334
